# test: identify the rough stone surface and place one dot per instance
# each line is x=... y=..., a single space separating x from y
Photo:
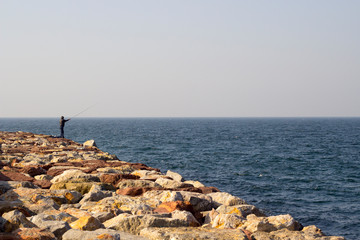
x=53 y=188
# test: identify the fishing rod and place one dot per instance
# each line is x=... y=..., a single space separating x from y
x=83 y=111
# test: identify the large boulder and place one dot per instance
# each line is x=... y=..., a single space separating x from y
x=131 y=183
x=171 y=184
x=134 y=224
x=190 y=233
x=89 y=143
x=88 y=223
x=175 y=176
x=16 y=219
x=242 y=210
x=224 y=198
x=33 y=233
x=107 y=234
x=74 y=175
x=272 y=223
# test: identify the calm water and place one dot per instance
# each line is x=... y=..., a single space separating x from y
x=307 y=167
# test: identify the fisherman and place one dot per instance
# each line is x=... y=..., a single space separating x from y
x=62 y=125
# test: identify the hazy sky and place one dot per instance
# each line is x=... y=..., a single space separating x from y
x=185 y=58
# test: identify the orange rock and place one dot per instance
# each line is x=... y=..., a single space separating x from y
x=168 y=207
x=88 y=223
x=33 y=234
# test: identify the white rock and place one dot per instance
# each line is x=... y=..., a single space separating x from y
x=224 y=198
x=175 y=176
x=89 y=143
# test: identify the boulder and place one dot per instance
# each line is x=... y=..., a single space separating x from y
x=89 y=143
x=185 y=216
x=133 y=191
x=133 y=224
x=227 y=221
x=88 y=223
x=74 y=175
x=52 y=216
x=33 y=233
x=33 y=170
x=82 y=187
x=137 y=208
x=223 y=198
x=58 y=228
x=175 y=176
x=171 y=184
x=95 y=194
x=242 y=210
x=107 y=234
x=16 y=219
x=272 y=223
x=130 y=183
x=168 y=207
x=288 y=234
x=190 y=233
x=196 y=184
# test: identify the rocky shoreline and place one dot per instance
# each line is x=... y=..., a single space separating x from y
x=55 y=188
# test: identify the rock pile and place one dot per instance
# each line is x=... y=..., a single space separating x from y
x=54 y=188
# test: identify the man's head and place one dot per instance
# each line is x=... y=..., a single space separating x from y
x=62 y=117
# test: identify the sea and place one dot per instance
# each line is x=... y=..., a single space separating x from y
x=306 y=167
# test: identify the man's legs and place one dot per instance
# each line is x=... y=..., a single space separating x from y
x=62 y=132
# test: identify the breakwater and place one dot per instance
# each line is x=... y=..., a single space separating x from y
x=57 y=188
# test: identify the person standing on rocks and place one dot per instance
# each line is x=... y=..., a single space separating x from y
x=62 y=125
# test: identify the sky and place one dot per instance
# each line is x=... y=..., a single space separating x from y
x=188 y=58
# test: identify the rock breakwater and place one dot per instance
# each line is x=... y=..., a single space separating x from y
x=55 y=188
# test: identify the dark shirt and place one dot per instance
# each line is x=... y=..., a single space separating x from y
x=63 y=121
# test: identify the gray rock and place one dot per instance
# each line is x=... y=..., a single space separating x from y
x=137 y=183
x=16 y=219
x=103 y=216
x=74 y=234
x=58 y=228
x=134 y=224
x=95 y=194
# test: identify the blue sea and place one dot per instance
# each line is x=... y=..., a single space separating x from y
x=307 y=167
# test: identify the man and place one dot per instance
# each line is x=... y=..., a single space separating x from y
x=62 y=125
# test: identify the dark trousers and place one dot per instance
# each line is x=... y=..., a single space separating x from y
x=62 y=132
